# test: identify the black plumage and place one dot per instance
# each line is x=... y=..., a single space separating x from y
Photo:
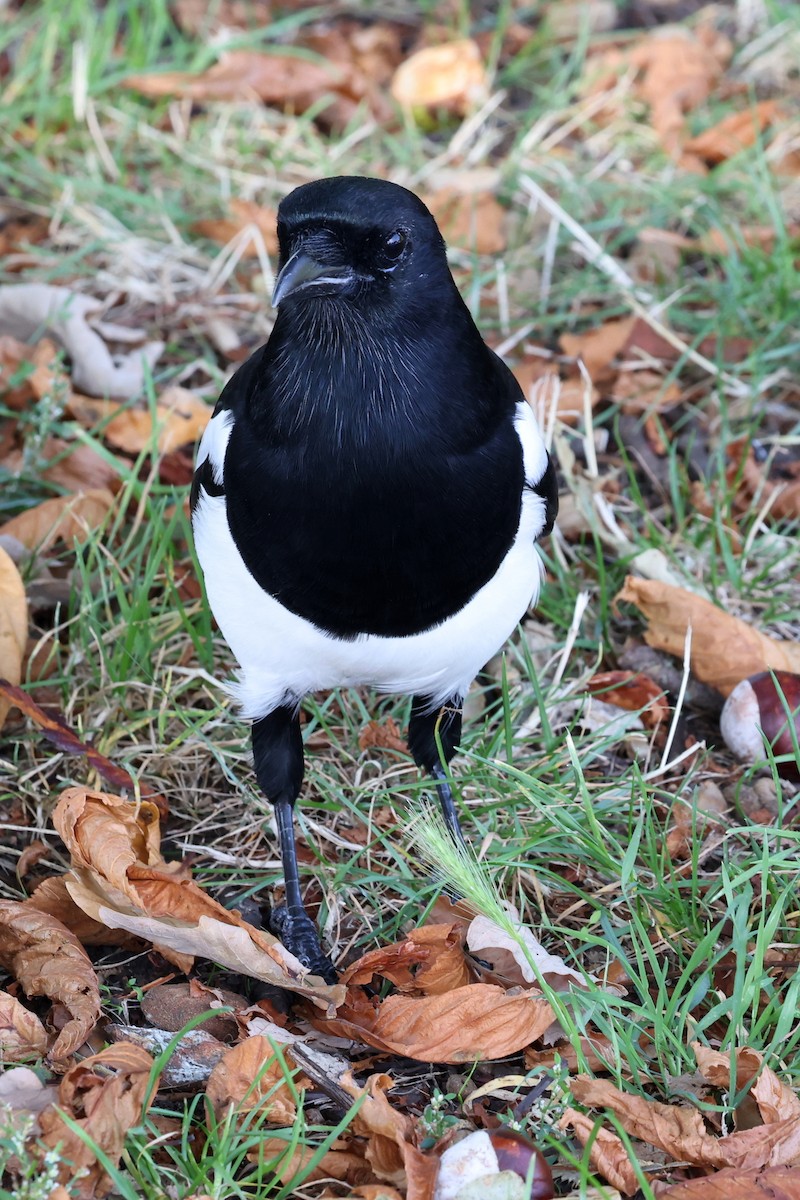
x=368 y=491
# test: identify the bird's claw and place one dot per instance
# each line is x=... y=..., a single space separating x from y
x=298 y=933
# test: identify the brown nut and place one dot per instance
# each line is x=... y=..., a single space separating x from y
x=759 y=704
x=514 y=1152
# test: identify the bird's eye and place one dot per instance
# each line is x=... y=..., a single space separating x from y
x=394 y=245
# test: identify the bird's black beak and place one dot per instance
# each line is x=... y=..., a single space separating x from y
x=303 y=273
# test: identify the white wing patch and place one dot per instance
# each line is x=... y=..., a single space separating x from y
x=214 y=443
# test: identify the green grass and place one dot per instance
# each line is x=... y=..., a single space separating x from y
x=570 y=820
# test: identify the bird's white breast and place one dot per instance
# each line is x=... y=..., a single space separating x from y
x=283 y=656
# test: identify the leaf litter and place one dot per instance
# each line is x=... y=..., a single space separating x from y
x=456 y=990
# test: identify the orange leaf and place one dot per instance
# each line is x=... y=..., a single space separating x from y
x=451 y=75
x=632 y=691
x=244 y=213
x=105 y=1095
x=770 y=1183
x=48 y=960
x=607 y=1155
x=65 y=518
x=250 y=1076
x=179 y=419
x=22 y=1034
x=434 y=950
x=734 y=133
x=284 y=79
x=725 y=649
x=473 y=220
x=599 y=347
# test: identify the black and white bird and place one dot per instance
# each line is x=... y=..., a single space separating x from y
x=368 y=494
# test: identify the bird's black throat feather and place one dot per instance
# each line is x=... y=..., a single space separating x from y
x=377 y=479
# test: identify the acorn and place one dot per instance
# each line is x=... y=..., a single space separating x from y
x=482 y=1156
x=758 y=706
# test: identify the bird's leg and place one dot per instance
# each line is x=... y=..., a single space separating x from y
x=442 y=722
x=278 y=756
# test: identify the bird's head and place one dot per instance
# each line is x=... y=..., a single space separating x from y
x=357 y=240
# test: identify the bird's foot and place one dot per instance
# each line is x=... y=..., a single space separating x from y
x=299 y=935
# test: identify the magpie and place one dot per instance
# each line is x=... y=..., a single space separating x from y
x=367 y=496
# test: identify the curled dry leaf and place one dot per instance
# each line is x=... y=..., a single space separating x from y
x=633 y=691
x=734 y=133
x=385 y=735
x=724 y=649
x=105 y=1095
x=250 y=1076
x=770 y=1183
x=390 y=1150
x=51 y=896
x=121 y=880
x=451 y=75
x=473 y=1022
x=511 y=961
x=13 y=626
x=22 y=1034
x=48 y=960
x=681 y=1132
x=27 y=308
x=599 y=347
x=280 y=79
x=607 y=1154
x=65 y=518
x=775 y=1099
x=428 y=961
x=178 y=420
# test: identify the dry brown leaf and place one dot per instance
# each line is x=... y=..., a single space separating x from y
x=510 y=962
x=599 y=347
x=472 y=220
x=644 y=392
x=632 y=691
x=48 y=960
x=770 y=1183
x=179 y=419
x=65 y=518
x=607 y=1155
x=385 y=735
x=725 y=649
x=244 y=213
x=51 y=896
x=543 y=387
x=681 y=1132
x=451 y=75
x=27 y=308
x=105 y=1095
x=429 y=961
x=390 y=1150
x=775 y=1099
x=342 y=1162
x=22 y=1034
x=13 y=626
x=752 y=485
x=246 y=1078
x=598 y=1051
x=678 y=72
x=280 y=79
x=734 y=133
x=121 y=880
x=476 y=1021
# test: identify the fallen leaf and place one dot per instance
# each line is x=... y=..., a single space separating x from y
x=734 y=132
x=770 y=1183
x=513 y=962
x=681 y=1132
x=472 y=220
x=250 y=1076
x=385 y=735
x=607 y=1154
x=451 y=75
x=22 y=1034
x=474 y=1022
x=56 y=730
x=73 y=466
x=179 y=419
x=599 y=347
x=288 y=80
x=546 y=392
x=724 y=649
x=429 y=961
x=105 y=1095
x=13 y=626
x=390 y=1151
x=65 y=518
x=51 y=896
x=775 y=1099
x=120 y=879
x=27 y=308
x=244 y=213
x=644 y=392
x=747 y=478
x=634 y=692
x=48 y=960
